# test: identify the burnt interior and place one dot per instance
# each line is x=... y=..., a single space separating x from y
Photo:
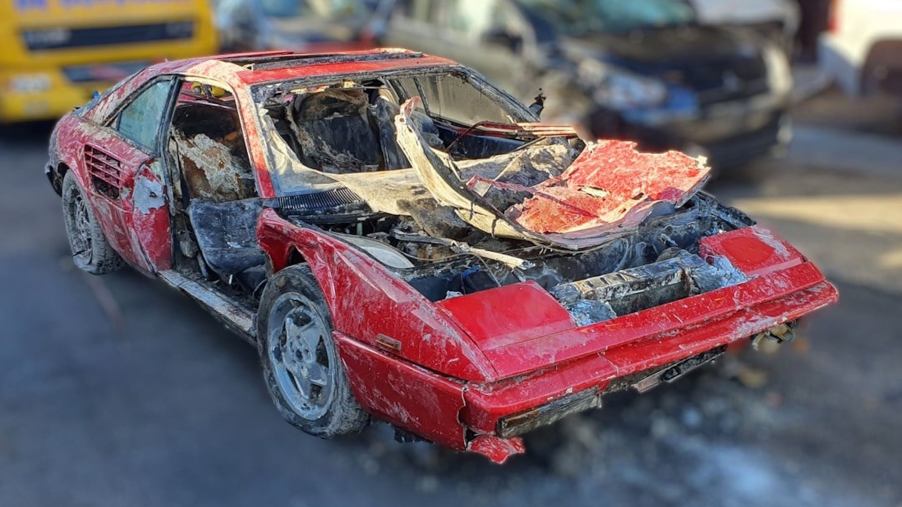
x=216 y=204
x=348 y=127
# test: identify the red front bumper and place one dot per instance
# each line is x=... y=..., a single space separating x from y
x=782 y=287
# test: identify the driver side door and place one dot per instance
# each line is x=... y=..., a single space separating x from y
x=122 y=161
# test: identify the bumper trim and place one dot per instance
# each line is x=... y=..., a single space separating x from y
x=677 y=371
x=549 y=413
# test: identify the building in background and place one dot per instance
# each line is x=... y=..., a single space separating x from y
x=57 y=53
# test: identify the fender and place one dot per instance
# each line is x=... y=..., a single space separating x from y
x=349 y=277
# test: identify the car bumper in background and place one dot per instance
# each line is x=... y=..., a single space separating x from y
x=772 y=139
x=40 y=95
x=49 y=93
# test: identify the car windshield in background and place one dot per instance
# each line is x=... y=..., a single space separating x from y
x=584 y=17
x=326 y=9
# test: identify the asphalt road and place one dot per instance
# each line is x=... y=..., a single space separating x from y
x=117 y=391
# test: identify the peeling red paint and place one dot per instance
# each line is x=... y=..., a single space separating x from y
x=611 y=184
x=496 y=449
x=407 y=396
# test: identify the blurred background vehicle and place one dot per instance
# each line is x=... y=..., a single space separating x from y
x=56 y=53
x=306 y=25
x=645 y=70
x=777 y=20
x=862 y=47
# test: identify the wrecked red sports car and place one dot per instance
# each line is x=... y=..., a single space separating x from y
x=402 y=240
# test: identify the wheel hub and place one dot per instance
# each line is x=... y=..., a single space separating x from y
x=301 y=359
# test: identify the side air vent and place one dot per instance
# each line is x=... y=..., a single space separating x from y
x=105 y=171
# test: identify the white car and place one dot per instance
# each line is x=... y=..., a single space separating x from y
x=862 y=48
x=776 y=19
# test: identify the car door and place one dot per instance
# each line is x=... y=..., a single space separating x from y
x=128 y=183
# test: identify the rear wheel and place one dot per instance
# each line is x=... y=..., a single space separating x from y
x=301 y=367
x=91 y=251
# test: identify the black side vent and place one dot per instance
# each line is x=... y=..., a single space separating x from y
x=318 y=202
x=105 y=171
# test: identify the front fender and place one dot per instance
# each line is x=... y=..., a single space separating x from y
x=371 y=304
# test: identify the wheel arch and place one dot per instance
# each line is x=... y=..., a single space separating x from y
x=348 y=277
x=55 y=174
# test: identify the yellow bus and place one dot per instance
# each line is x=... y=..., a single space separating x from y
x=55 y=53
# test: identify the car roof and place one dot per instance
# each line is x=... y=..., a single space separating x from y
x=264 y=67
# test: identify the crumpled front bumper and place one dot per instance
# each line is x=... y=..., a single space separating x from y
x=783 y=286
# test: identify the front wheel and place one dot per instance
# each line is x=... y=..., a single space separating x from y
x=91 y=251
x=301 y=367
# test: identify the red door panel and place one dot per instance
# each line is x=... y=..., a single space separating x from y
x=105 y=177
x=129 y=199
x=150 y=217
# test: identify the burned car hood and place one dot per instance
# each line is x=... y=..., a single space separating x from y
x=607 y=189
x=546 y=193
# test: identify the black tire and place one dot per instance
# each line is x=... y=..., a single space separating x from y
x=290 y=295
x=91 y=252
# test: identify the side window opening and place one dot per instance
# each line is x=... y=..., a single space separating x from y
x=207 y=143
x=140 y=121
x=214 y=184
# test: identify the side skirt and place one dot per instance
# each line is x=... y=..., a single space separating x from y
x=230 y=312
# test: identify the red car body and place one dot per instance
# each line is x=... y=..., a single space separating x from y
x=471 y=372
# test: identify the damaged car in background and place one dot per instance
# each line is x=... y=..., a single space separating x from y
x=403 y=241
x=641 y=70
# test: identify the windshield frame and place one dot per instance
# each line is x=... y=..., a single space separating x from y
x=264 y=92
